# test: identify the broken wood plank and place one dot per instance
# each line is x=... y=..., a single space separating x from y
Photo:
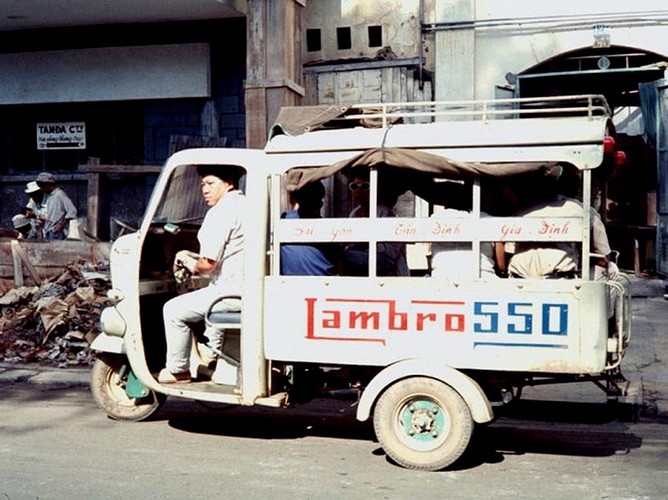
x=17 y=249
x=49 y=258
x=18 y=268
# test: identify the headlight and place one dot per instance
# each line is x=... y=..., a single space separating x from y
x=112 y=323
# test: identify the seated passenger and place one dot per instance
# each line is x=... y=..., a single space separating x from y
x=454 y=259
x=390 y=256
x=556 y=259
x=562 y=259
x=309 y=259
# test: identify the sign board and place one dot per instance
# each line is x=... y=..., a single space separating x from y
x=63 y=135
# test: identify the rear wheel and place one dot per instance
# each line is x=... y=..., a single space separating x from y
x=108 y=379
x=422 y=423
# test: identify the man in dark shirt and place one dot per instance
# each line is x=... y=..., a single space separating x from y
x=309 y=259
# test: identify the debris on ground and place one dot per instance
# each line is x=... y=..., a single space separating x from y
x=55 y=322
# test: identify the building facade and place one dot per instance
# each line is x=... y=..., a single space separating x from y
x=116 y=98
x=146 y=82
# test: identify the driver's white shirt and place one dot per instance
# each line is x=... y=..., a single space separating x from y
x=221 y=238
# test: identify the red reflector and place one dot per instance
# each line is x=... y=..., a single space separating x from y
x=609 y=144
x=619 y=158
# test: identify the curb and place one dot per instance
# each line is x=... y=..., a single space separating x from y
x=36 y=374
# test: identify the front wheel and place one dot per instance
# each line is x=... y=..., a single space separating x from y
x=108 y=379
x=422 y=423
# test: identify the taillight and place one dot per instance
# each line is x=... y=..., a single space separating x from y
x=619 y=157
x=609 y=144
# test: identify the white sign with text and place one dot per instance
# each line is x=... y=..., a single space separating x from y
x=63 y=135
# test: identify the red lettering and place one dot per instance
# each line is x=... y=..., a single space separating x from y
x=397 y=321
x=454 y=322
x=310 y=317
x=422 y=318
x=344 y=318
x=549 y=228
x=365 y=318
x=333 y=321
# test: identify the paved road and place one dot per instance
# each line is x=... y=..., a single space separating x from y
x=56 y=444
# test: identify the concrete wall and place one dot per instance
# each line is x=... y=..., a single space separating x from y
x=399 y=20
x=516 y=35
x=106 y=74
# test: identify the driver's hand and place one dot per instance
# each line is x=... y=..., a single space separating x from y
x=187 y=259
x=185 y=263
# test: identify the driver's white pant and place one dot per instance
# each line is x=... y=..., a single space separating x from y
x=181 y=312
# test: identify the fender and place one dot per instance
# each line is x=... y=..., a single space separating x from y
x=108 y=343
x=475 y=398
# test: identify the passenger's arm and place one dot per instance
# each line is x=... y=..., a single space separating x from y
x=500 y=259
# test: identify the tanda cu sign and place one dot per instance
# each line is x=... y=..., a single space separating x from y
x=64 y=135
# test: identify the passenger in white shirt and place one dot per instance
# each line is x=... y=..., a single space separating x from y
x=453 y=260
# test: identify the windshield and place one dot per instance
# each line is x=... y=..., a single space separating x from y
x=182 y=202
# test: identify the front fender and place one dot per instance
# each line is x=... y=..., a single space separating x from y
x=469 y=390
x=108 y=343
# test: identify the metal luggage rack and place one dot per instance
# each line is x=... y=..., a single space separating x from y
x=586 y=105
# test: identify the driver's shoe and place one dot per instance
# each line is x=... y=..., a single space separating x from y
x=167 y=377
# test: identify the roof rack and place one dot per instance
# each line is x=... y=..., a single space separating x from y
x=589 y=105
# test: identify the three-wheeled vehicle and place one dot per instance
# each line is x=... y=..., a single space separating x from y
x=429 y=355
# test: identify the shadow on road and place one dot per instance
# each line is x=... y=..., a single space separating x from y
x=321 y=417
x=526 y=427
x=553 y=428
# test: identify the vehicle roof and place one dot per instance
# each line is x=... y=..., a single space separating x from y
x=566 y=129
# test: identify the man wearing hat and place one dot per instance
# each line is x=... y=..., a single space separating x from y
x=35 y=208
x=221 y=239
x=59 y=208
x=22 y=225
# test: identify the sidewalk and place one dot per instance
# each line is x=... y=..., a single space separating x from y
x=645 y=364
x=43 y=374
x=646 y=360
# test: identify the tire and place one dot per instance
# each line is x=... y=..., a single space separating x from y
x=422 y=423
x=108 y=379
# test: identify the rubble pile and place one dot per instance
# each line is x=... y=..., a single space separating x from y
x=55 y=322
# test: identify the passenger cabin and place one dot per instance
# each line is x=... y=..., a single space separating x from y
x=452 y=158
x=446 y=168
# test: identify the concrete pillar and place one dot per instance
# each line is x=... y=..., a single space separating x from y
x=454 y=52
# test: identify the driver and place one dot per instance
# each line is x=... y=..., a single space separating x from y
x=221 y=240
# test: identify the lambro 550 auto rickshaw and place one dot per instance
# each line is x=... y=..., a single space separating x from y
x=428 y=356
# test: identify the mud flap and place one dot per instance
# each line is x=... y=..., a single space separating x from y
x=133 y=387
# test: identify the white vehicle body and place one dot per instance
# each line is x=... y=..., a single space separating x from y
x=461 y=333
